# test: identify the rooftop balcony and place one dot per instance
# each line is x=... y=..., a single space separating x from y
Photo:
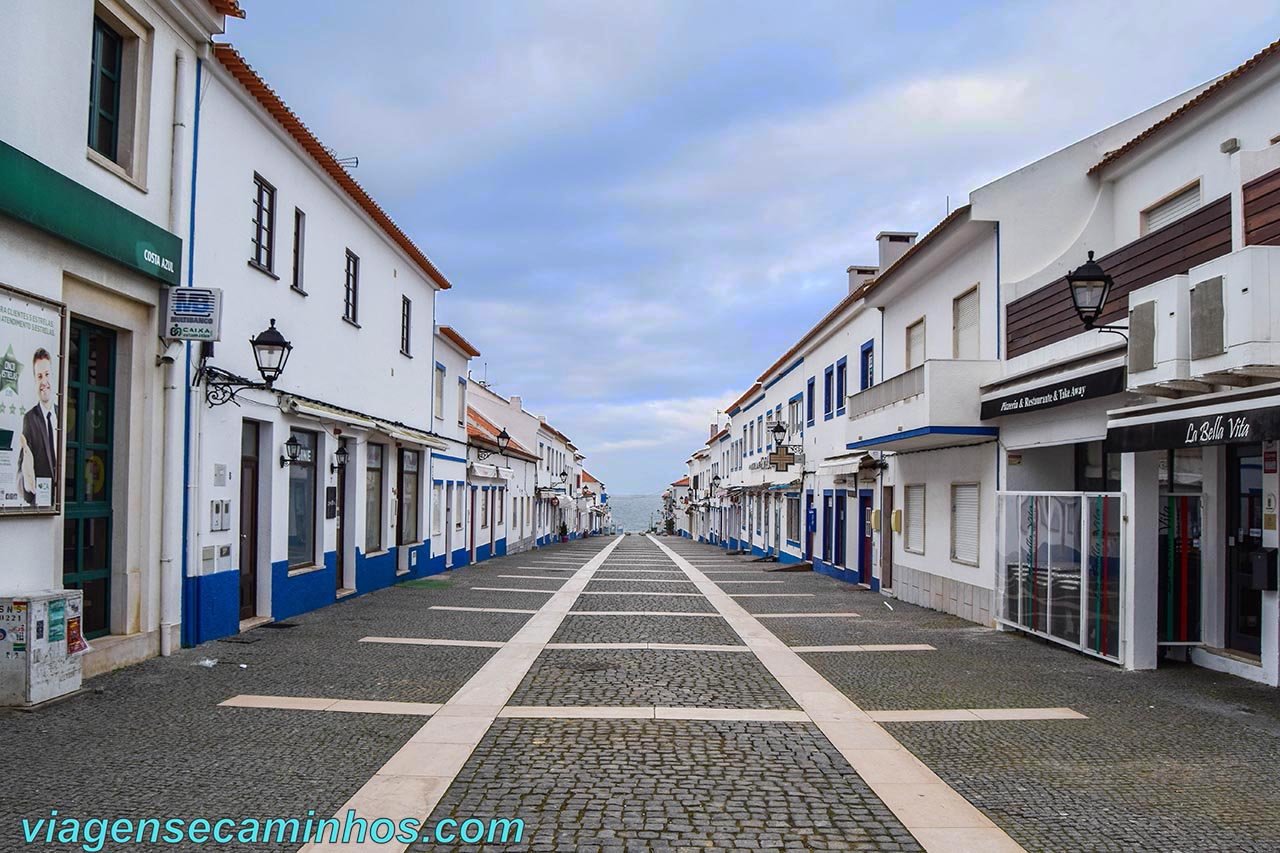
x=934 y=405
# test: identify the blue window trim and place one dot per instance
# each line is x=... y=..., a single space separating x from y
x=868 y=350
x=813 y=404
x=462 y=381
x=828 y=385
x=440 y=366
x=795 y=397
x=927 y=430
x=842 y=383
x=774 y=381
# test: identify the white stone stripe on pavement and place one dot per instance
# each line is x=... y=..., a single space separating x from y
x=672 y=613
x=935 y=813
x=636 y=580
x=641 y=592
x=772 y=594
x=532 y=577
x=962 y=715
x=415 y=778
x=512 y=589
x=839 y=615
x=309 y=703
x=479 y=609
x=675 y=647
x=430 y=641
x=652 y=712
x=867 y=647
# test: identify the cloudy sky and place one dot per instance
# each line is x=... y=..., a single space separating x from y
x=642 y=204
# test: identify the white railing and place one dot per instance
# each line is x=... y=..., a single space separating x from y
x=890 y=391
x=1061 y=571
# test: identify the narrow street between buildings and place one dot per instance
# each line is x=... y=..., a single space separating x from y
x=652 y=693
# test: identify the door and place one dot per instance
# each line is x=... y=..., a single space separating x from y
x=448 y=525
x=1244 y=536
x=777 y=524
x=886 y=537
x=340 y=555
x=249 y=520
x=493 y=522
x=841 y=528
x=90 y=428
x=827 y=524
x=472 y=547
x=808 y=527
x=864 y=537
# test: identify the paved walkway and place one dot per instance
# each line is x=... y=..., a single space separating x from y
x=634 y=693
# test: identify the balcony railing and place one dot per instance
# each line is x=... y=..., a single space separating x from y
x=888 y=392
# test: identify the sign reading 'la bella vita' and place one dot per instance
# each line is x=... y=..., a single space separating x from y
x=1236 y=427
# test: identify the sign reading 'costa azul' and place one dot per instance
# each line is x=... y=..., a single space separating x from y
x=1101 y=384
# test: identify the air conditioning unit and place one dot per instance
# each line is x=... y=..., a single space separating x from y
x=1159 y=346
x=191 y=314
x=1235 y=317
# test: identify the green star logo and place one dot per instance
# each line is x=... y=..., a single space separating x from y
x=10 y=370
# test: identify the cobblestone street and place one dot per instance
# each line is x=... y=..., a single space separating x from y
x=621 y=693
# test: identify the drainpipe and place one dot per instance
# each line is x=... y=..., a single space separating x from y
x=172 y=465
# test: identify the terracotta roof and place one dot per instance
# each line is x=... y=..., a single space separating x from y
x=271 y=102
x=486 y=431
x=1211 y=92
x=718 y=435
x=683 y=481
x=738 y=402
x=459 y=341
x=587 y=478
x=230 y=8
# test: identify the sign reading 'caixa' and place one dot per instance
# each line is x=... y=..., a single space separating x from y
x=1100 y=384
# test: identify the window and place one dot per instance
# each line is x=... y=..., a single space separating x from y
x=915 y=344
x=867 y=366
x=502 y=498
x=913 y=535
x=793 y=416
x=964 y=523
x=842 y=371
x=437 y=509
x=438 y=397
x=264 y=225
x=406 y=323
x=117 y=116
x=104 y=90
x=964 y=325
x=373 y=499
x=302 y=501
x=462 y=401
x=458 y=520
x=751 y=438
x=759 y=433
x=812 y=404
x=1171 y=208
x=409 y=497
x=351 y=293
x=299 y=248
x=484 y=509
x=793 y=518
x=828 y=377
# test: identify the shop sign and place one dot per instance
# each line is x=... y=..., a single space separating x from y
x=1225 y=428
x=1101 y=384
x=33 y=193
x=31 y=417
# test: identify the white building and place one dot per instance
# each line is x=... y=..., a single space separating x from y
x=316 y=488
x=95 y=172
x=450 y=496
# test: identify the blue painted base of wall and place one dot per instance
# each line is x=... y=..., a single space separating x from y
x=482 y=552
x=217 y=598
x=733 y=544
x=500 y=547
x=461 y=557
x=788 y=559
x=757 y=551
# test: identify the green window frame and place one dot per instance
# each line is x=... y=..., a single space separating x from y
x=104 y=90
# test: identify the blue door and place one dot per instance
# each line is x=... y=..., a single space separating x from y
x=841 y=527
x=864 y=536
x=826 y=528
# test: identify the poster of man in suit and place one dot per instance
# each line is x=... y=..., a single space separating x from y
x=31 y=439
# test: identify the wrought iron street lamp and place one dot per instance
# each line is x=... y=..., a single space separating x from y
x=340 y=458
x=292 y=450
x=504 y=441
x=270 y=353
x=1090 y=285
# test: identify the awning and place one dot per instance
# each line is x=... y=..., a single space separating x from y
x=321 y=412
x=489 y=472
x=1046 y=392
x=845 y=463
x=408 y=435
x=1227 y=418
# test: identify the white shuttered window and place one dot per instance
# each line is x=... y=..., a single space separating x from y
x=915 y=344
x=914 y=534
x=964 y=335
x=964 y=523
x=1171 y=209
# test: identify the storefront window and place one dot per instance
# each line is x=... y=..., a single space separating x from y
x=373 y=500
x=1096 y=469
x=409 y=497
x=1187 y=465
x=302 y=501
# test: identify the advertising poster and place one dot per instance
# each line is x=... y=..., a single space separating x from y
x=30 y=402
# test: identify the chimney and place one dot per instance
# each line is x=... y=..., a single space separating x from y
x=893 y=245
x=516 y=402
x=715 y=428
x=860 y=275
